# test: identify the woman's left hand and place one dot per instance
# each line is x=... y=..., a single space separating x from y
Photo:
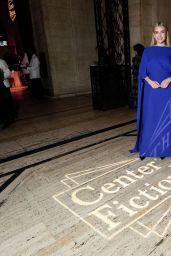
x=165 y=83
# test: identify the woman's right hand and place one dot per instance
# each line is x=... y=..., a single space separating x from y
x=153 y=84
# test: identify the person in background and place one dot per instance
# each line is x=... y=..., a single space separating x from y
x=138 y=49
x=154 y=97
x=35 y=85
x=24 y=67
x=7 y=109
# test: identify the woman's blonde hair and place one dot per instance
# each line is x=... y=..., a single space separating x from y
x=160 y=24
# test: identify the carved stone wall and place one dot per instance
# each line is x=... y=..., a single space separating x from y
x=65 y=31
x=69 y=32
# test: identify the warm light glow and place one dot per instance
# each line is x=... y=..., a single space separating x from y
x=16 y=82
x=11 y=9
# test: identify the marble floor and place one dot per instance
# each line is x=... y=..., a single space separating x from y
x=70 y=187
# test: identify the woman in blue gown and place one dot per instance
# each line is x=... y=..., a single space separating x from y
x=154 y=97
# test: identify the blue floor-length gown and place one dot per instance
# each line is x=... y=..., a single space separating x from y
x=154 y=105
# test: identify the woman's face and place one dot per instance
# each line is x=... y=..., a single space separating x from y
x=160 y=35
